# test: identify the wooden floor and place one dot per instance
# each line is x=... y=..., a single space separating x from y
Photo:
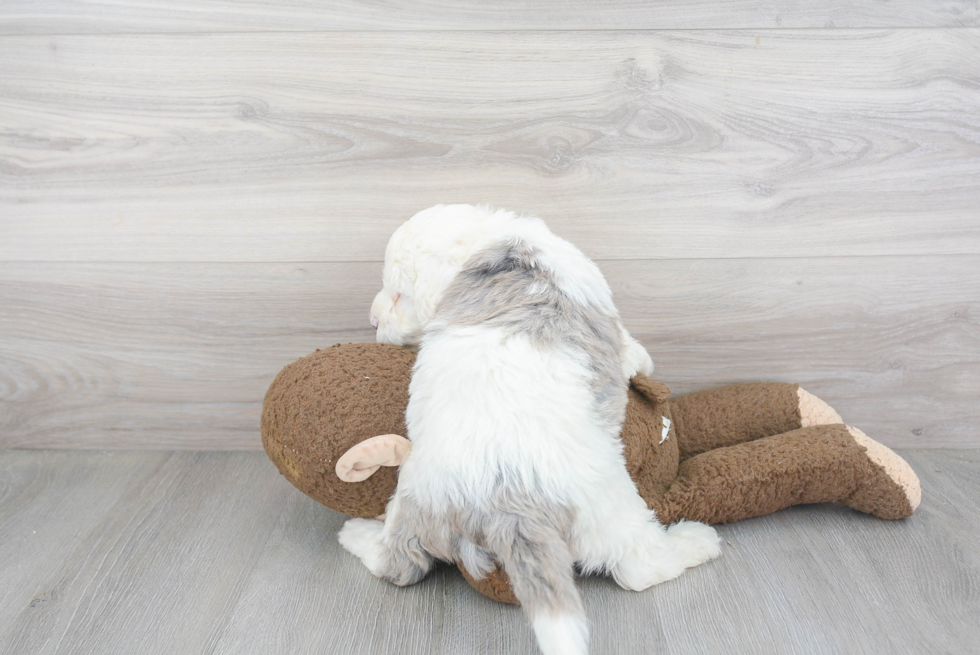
x=194 y=552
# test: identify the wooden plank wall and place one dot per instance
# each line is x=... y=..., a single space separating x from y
x=192 y=196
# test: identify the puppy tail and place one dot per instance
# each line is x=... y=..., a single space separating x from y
x=540 y=567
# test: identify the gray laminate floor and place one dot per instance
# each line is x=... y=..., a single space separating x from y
x=193 y=552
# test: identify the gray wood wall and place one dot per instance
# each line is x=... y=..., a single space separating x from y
x=194 y=195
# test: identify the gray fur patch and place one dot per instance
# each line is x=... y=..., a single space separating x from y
x=406 y=560
x=525 y=534
x=504 y=286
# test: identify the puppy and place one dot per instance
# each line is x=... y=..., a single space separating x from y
x=515 y=408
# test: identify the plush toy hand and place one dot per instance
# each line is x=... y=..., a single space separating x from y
x=364 y=459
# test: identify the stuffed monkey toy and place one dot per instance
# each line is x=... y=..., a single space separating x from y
x=333 y=423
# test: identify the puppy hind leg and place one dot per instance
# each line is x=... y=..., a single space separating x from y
x=390 y=550
x=652 y=554
x=362 y=538
x=694 y=542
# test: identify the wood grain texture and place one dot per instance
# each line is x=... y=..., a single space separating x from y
x=60 y=16
x=144 y=353
x=163 y=567
x=634 y=145
x=180 y=355
x=334 y=607
x=50 y=504
x=217 y=553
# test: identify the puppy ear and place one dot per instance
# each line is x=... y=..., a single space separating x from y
x=363 y=460
x=433 y=275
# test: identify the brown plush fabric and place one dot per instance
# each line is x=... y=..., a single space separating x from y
x=321 y=405
x=878 y=495
x=817 y=464
x=495 y=586
x=651 y=464
x=730 y=415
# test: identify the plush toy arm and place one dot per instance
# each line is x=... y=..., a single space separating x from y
x=824 y=463
x=364 y=459
x=716 y=418
x=655 y=391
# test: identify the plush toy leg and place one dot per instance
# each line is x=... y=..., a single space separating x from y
x=809 y=465
x=716 y=418
x=876 y=494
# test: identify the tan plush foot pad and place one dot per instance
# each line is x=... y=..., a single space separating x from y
x=814 y=411
x=892 y=491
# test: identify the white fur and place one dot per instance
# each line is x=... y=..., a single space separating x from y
x=562 y=635
x=481 y=403
x=362 y=537
x=427 y=251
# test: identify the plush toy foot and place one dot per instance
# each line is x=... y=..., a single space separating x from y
x=891 y=490
x=814 y=411
x=817 y=464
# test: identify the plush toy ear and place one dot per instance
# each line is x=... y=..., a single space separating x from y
x=363 y=460
x=656 y=392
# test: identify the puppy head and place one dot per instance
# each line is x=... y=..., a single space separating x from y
x=422 y=258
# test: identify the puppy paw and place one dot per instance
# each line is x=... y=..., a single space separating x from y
x=652 y=558
x=634 y=357
x=362 y=539
x=638 y=570
x=695 y=543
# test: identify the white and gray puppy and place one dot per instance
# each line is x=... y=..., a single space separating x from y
x=515 y=407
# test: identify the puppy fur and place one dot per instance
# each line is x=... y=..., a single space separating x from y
x=515 y=408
